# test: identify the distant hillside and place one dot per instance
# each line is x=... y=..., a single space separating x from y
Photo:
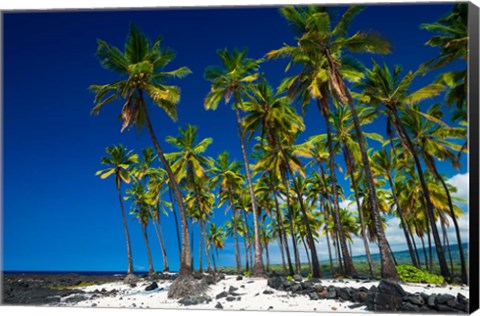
x=404 y=255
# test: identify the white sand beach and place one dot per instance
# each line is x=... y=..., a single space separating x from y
x=250 y=296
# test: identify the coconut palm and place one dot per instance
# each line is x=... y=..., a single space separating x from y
x=230 y=81
x=434 y=139
x=119 y=162
x=141 y=67
x=319 y=51
x=216 y=238
x=156 y=191
x=226 y=174
x=141 y=209
x=382 y=87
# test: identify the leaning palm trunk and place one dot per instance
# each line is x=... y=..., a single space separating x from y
x=332 y=269
x=388 y=270
x=127 y=234
x=159 y=233
x=430 y=212
x=205 y=242
x=283 y=237
x=311 y=243
x=431 y=162
x=348 y=264
x=292 y=230
x=348 y=160
x=402 y=221
x=185 y=262
x=177 y=230
x=149 y=254
x=235 y=234
x=446 y=244
x=258 y=265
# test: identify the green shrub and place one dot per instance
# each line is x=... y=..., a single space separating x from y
x=408 y=273
x=247 y=273
x=290 y=278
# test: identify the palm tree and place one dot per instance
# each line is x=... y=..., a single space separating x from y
x=431 y=137
x=142 y=211
x=142 y=67
x=382 y=87
x=278 y=122
x=384 y=164
x=231 y=81
x=216 y=238
x=452 y=40
x=119 y=162
x=159 y=205
x=189 y=165
x=226 y=175
x=320 y=49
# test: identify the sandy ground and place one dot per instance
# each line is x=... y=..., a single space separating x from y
x=250 y=292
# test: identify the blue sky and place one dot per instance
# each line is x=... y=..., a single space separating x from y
x=56 y=214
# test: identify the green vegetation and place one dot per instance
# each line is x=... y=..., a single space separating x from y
x=409 y=273
x=286 y=192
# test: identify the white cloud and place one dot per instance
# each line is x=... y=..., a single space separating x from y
x=461 y=182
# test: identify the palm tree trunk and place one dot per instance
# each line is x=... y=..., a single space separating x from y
x=218 y=258
x=349 y=269
x=292 y=230
x=430 y=212
x=311 y=243
x=332 y=269
x=267 y=255
x=257 y=269
x=455 y=222
x=205 y=242
x=159 y=233
x=446 y=244
x=388 y=270
x=430 y=254
x=200 y=250
x=235 y=234
x=177 y=229
x=348 y=161
x=412 y=238
x=402 y=221
x=327 y=217
x=308 y=256
x=283 y=237
x=149 y=254
x=127 y=234
x=185 y=262
x=246 y=242
x=424 y=252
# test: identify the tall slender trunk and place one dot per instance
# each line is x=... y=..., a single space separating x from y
x=258 y=265
x=283 y=238
x=402 y=220
x=348 y=160
x=339 y=255
x=159 y=232
x=292 y=230
x=454 y=219
x=149 y=254
x=348 y=264
x=200 y=250
x=311 y=243
x=205 y=242
x=426 y=192
x=388 y=270
x=430 y=253
x=412 y=238
x=235 y=234
x=245 y=241
x=332 y=269
x=237 y=247
x=214 y=263
x=177 y=229
x=308 y=256
x=327 y=217
x=218 y=258
x=267 y=254
x=185 y=262
x=127 y=234
x=446 y=244
x=192 y=239
x=424 y=252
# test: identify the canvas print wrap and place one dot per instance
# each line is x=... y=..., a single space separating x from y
x=295 y=158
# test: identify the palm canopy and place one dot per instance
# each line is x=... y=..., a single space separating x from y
x=141 y=67
x=270 y=113
x=316 y=36
x=119 y=162
x=231 y=79
x=452 y=36
x=226 y=173
x=189 y=161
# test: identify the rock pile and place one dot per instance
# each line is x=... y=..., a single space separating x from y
x=387 y=297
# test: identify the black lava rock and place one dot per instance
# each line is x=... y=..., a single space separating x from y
x=152 y=286
x=195 y=300
x=219 y=306
x=221 y=295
